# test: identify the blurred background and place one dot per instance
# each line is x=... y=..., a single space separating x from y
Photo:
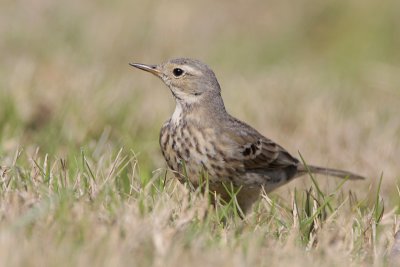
x=319 y=77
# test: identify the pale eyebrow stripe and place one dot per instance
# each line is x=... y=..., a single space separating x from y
x=191 y=70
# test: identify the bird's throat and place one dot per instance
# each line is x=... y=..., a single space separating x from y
x=177 y=115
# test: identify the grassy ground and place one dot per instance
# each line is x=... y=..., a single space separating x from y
x=82 y=181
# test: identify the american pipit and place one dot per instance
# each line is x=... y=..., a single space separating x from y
x=202 y=137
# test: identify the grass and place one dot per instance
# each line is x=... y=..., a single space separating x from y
x=59 y=212
x=82 y=181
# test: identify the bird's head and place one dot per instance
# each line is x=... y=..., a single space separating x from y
x=189 y=80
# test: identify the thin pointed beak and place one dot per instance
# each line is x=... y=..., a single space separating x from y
x=149 y=68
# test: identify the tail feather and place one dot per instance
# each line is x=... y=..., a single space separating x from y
x=302 y=169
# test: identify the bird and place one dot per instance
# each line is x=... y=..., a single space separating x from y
x=202 y=139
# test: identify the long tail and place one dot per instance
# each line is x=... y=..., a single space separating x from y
x=301 y=169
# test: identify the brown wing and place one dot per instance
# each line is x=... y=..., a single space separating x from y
x=260 y=155
x=265 y=154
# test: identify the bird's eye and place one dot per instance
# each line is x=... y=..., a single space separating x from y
x=177 y=72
